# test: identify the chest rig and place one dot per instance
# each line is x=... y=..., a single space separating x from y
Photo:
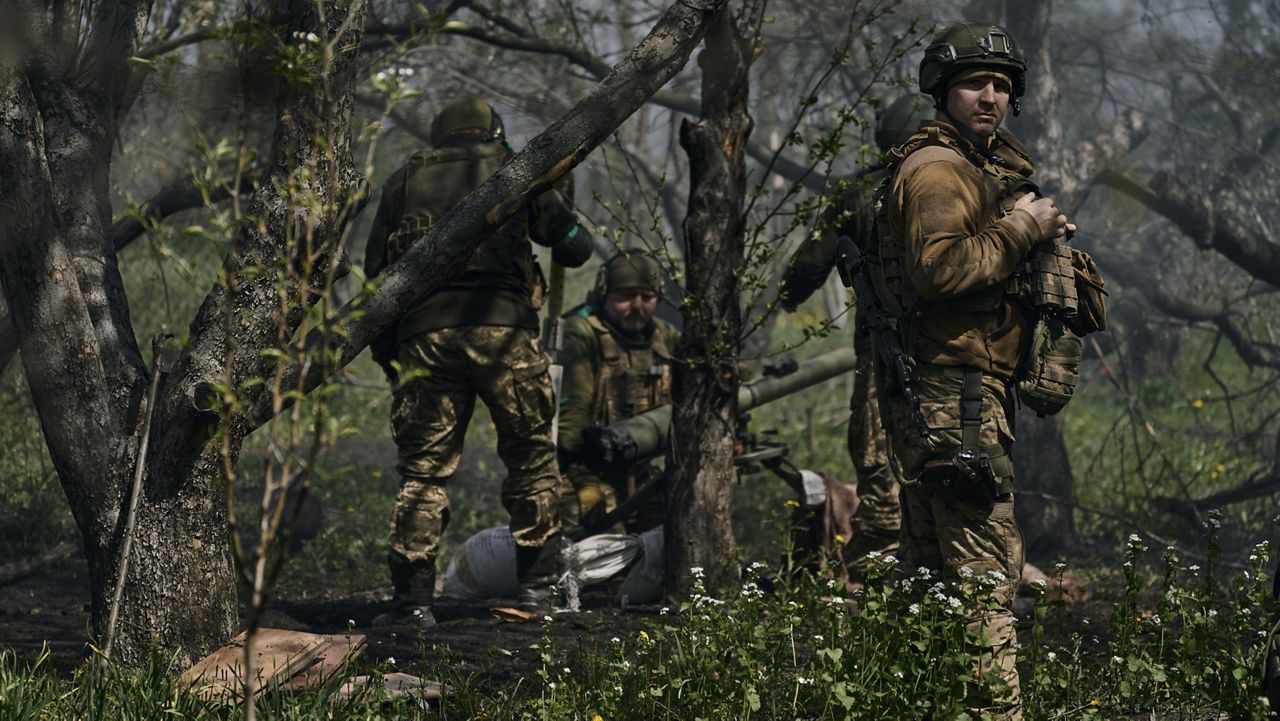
x=633 y=379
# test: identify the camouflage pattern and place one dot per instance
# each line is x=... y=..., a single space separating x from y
x=959 y=530
x=446 y=370
x=878 y=518
x=950 y=246
x=609 y=377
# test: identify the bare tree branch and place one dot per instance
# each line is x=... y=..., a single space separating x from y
x=1197 y=216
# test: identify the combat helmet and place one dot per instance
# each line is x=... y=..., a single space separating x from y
x=969 y=45
x=466 y=117
x=627 y=269
x=901 y=120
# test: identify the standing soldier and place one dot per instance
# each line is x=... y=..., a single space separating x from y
x=878 y=520
x=617 y=363
x=475 y=336
x=959 y=224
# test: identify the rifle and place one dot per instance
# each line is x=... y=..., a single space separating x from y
x=854 y=271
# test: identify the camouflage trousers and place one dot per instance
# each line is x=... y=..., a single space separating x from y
x=965 y=530
x=878 y=518
x=446 y=370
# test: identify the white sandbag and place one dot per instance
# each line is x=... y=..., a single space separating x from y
x=485 y=567
x=593 y=560
x=643 y=584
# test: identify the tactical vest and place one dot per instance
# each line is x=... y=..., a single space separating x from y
x=886 y=254
x=632 y=380
x=437 y=180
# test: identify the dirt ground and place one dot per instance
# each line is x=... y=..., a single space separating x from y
x=50 y=607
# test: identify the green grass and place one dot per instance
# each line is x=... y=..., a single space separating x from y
x=1184 y=643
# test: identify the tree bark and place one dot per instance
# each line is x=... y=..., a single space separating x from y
x=699 y=532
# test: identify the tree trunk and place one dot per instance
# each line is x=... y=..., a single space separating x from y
x=1040 y=453
x=699 y=533
x=1047 y=526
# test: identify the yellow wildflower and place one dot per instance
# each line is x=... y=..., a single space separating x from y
x=839 y=538
x=376 y=473
x=793 y=503
x=1197 y=403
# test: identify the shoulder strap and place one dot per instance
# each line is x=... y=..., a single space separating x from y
x=610 y=351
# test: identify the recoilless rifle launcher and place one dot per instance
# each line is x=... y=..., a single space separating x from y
x=646 y=436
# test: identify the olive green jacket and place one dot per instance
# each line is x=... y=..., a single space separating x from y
x=852 y=215
x=609 y=377
x=499 y=283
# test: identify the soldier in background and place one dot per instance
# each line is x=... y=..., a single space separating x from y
x=959 y=224
x=476 y=336
x=878 y=518
x=617 y=363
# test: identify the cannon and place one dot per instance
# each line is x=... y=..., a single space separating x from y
x=645 y=436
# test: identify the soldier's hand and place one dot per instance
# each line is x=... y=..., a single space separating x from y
x=1051 y=221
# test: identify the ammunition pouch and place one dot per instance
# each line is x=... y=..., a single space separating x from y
x=410 y=230
x=1051 y=369
x=1051 y=280
x=1091 y=308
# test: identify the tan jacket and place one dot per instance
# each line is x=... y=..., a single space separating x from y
x=959 y=248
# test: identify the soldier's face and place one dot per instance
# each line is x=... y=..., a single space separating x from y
x=979 y=103
x=630 y=309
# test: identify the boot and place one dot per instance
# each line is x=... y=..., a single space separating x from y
x=537 y=570
x=415 y=587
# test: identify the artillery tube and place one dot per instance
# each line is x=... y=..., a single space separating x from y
x=644 y=436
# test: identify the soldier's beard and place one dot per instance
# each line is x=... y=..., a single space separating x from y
x=633 y=322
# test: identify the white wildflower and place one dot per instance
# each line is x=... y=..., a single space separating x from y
x=391 y=660
x=965 y=572
x=1117 y=659
x=914 y=609
x=1051 y=656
